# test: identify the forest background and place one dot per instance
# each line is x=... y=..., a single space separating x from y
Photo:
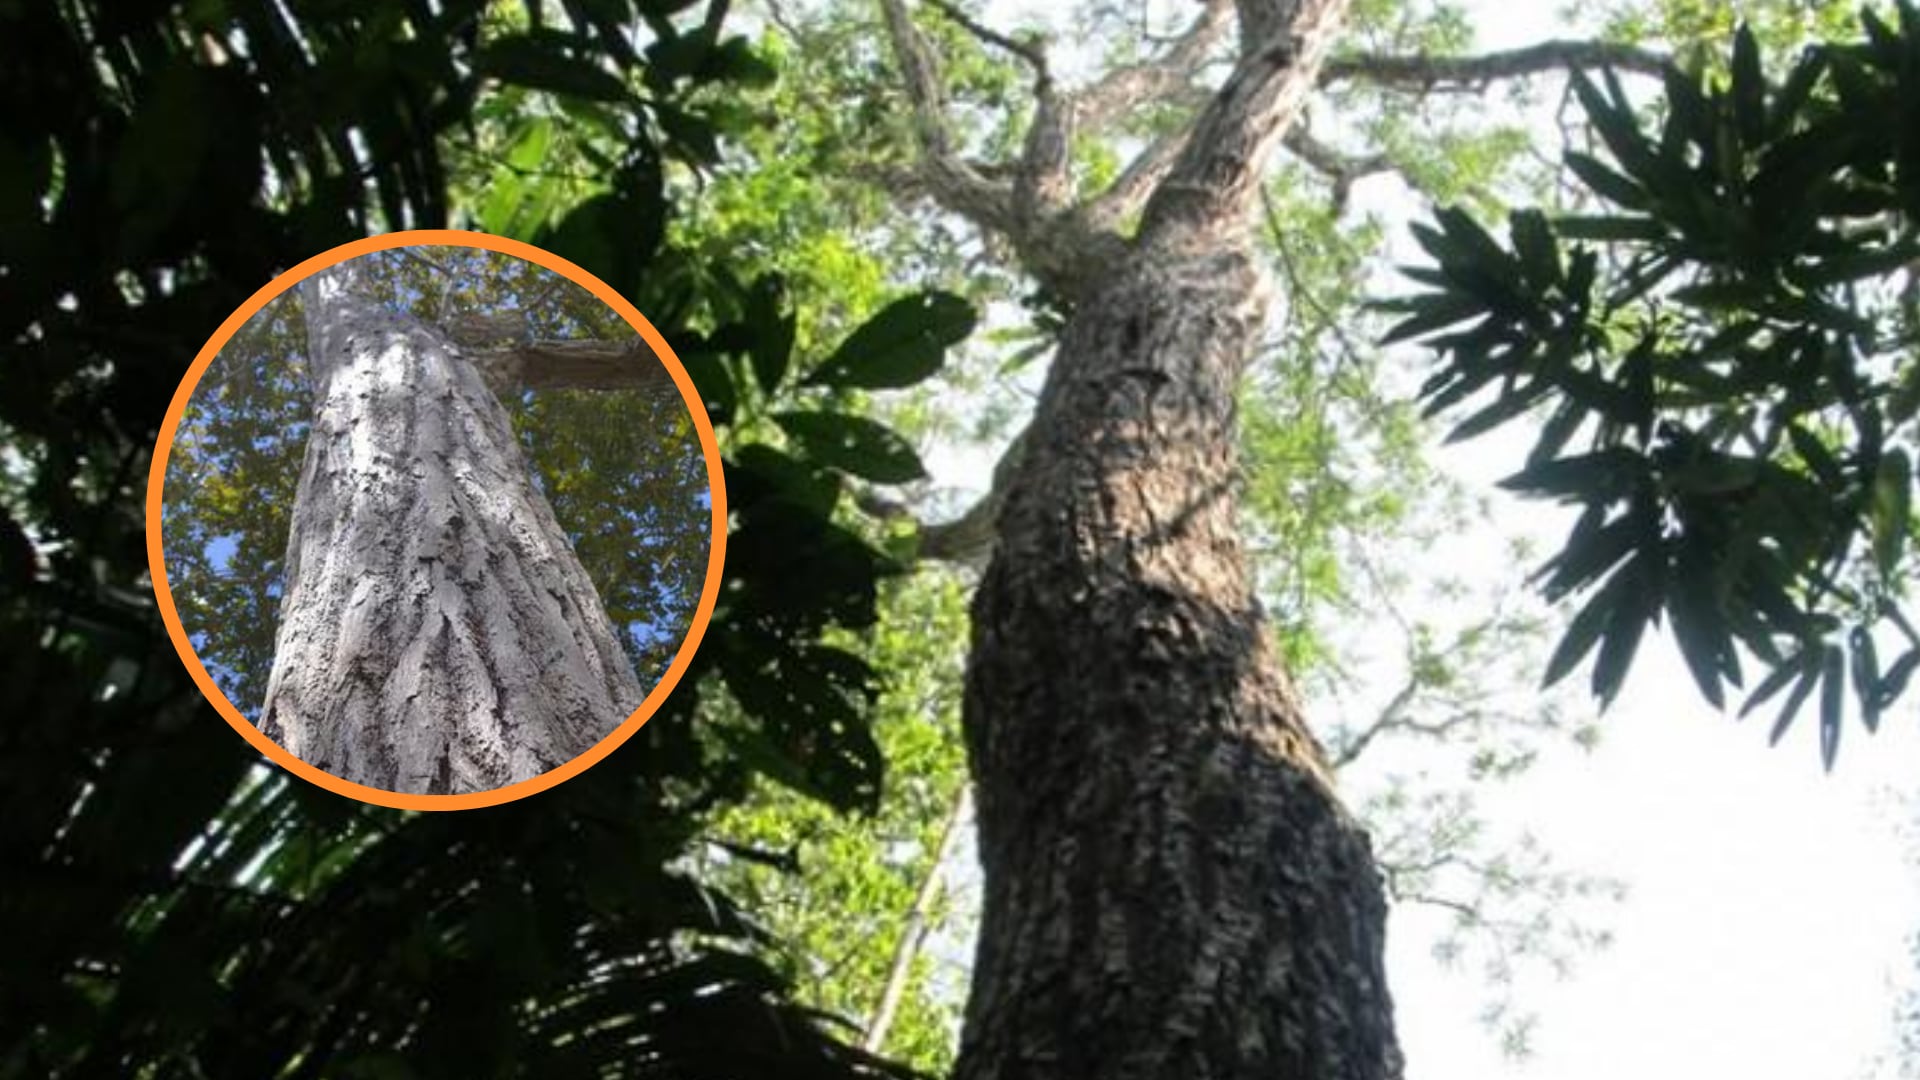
x=682 y=157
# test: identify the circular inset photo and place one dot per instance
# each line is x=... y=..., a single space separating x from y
x=436 y=520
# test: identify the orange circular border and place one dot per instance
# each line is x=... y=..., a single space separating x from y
x=716 y=557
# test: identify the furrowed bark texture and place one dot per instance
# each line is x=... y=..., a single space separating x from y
x=1173 y=889
x=438 y=633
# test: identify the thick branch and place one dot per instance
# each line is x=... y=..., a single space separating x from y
x=1336 y=165
x=1126 y=87
x=1421 y=72
x=949 y=180
x=1131 y=189
x=575 y=365
x=968 y=539
x=1025 y=50
x=1339 y=167
x=1213 y=182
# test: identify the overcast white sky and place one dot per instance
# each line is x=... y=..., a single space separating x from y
x=1764 y=934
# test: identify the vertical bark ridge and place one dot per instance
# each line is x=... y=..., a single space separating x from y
x=1172 y=887
x=438 y=634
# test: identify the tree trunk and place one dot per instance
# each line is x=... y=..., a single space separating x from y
x=1173 y=889
x=438 y=633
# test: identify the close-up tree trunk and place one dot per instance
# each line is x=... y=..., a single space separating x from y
x=438 y=633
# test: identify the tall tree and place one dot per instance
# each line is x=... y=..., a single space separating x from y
x=1172 y=883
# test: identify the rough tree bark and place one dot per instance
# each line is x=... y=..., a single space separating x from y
x=438 y=634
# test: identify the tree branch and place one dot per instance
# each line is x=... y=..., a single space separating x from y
x=1125 y=87
x=949 y=180
x=1136 y=183
x=577 y=365
x=968 y=539
x=913 y=935
x=1421 y=72
x=1031 y=53
x=1342 y=168
x=1212 y=183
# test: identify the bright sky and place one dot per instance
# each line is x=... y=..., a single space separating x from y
x=1764 y=935
x=1764 y=932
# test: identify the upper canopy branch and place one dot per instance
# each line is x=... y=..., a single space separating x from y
x=1033 y=54
x=1424 y=72
x=1128 y=86
x=1211 y=185
x=950 y=179
x=1207 y=172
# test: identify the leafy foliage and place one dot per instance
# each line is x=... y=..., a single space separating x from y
x=177 y=907
x=1725 y=361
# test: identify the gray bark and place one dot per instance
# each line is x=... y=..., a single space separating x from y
x=1173 y=888
x=438 y=634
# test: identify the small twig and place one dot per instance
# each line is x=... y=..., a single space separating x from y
x=913 y=935
x=1025 y=50
x=1421 y=72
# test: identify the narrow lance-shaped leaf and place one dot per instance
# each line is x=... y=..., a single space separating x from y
x=1866 y=675
x=1638 y=605
x=1892 y=505
x=1808 y=671
x=1833 y=687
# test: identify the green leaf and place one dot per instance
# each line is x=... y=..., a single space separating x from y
x=1809 y=673
x=1749 y=89
x=1833 y=686
x=1585 y=629
x=1698 y=625
x=503 y=204
x=757 y=466
x=1510 y=403
x=855 y=444
x=1601 y=474
x=1815 y=453
x=1590 y=551
x=1534 y=243
x=1892 y=509
x=1894 y=682
x=1434 y=311
x=1795 y=92
x=1614 y=120
x=772 y=331
x=1607 y=228
x=1636 y=605
x=1605 y=182
x=902 y=345
x=1776 y=680
x=535 y=60
x=530 y=149
x=1866 y=675
x=1853 y=264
